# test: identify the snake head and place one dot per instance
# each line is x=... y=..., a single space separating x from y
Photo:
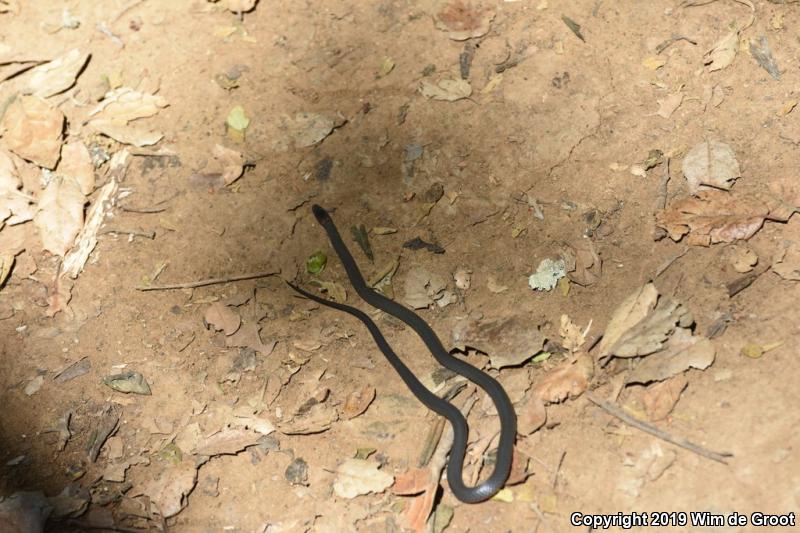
x=321 y=215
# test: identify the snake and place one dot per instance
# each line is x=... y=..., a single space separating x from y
x=505 y=410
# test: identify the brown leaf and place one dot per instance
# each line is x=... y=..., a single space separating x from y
x=358 y=401
x=412 y=481
x=222 y=318
x=15 y=206
x=681 y=352
x=126 y=133
x=786 y=262
x=463 y=20
x=659 y=399
x=584 y=266
x=627 y=314
x=710 y=163
x=229 y=441
x=58 y=75
x=59 y=216
x=531 y=415
x=247 y=336
x=125 y=104
x=316 y=419
x=355 y=477
x=717 y=216
x=33 y=130
x=509 y=341
x=568 y=380
x=723 y=52
x=76 y=163
x=416 y=514
x=170 y=490
x=650 y=333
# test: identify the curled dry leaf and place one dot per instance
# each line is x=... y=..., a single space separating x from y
x=33 y=130
x=572 y=335
x=582 y=263
x=76 y=163
x=358 y=401
x=681 y=352
x=422 y=288
x=59 y=216
x=462 y=20
x=221 y=317
x=710 y=163
x=447 y=90
x=649 y=334
x=171 y=489
x=58 y=75
x=568 y=380
x=715 y=216
x=632 y=310
x=509 y=341
x=355 y=477
x=659 y=399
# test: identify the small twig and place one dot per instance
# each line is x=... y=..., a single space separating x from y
x=204 y=282
x=614 y=410
x=668 y=263
x=558 y=469
x=144 y=210
x=136 y=233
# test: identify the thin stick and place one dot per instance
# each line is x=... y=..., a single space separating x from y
x=612 y=409
x=204 y=282
x=661 y=201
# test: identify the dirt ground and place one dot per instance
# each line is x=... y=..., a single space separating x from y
x=549 y=151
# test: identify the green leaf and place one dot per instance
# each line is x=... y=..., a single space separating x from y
x=238 y=119
x=316 y=262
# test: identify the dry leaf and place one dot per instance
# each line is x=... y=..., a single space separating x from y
x=682 y=351
x=229 y=441
x=15 y=206
x=416 y=514
x=33 y=130
x=316 y=419
x=572 y=335
x=247 y=336
x=717 y=216
x=531 y=415
x=358 y=401
x=668 y=105
x=222 y=318
x=355 y=477
x=723 y=52
x=582 y=263
x=59 y=216
x=711 y=163
x=463 y=21
x=76 y=163
x=58 y=75
x=659 y=399
x=307 y=129
x=744 y=259
x=509 y=341
x=412 y=481
x=422 y=288
x=568 y=380
x=170 y=491
x=786 y=262
x=229 y=163
x=447 y=90
x=650 y=333
x=633 y=309
x=127 y=134
x=759 y=49
x=125 y=104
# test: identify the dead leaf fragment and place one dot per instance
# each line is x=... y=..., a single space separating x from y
x=509 y=341
x=307 y=129
x=681 y=352
x=668 y=105
x=171 y=489
x=33 y=130
x=229 y=441
x=358 y=401
x=59 y=217
x=128 y=382
x=447 y=90
x=412 y=481
x=744 y=259
x=568 y=380
x=714 y=216
x=786 y=262
x=135 y=135
x=760 y=50
x=125 y=104
x=531 y=415
x=723 y=52
x=248 y=336
x=58 y=75
x=710 y=163
x=228 y=162
x=629 y=313
x=463 y=21
x=660 y=398
x=76 y=163
x=356 y=477
x=222 y=318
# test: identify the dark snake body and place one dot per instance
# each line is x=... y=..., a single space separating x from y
x=505 y=410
